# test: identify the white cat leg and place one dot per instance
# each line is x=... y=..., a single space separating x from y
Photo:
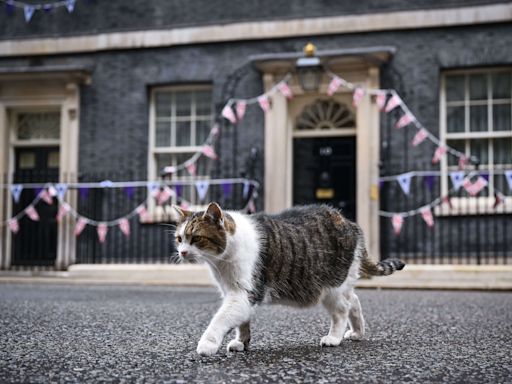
x=338 y=307
x=242 y=339
x=234 y=311
x=355 y=318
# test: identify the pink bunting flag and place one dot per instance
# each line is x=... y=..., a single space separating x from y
x=426 y=213
x=227 y=112
x=264 y=103
x=380 y=100
x=124 y=226
x=403 y=121
x=45 y=196
x=334 y=85
x=215 y=130
x=447 y=201
x=170 y=169
x=474 y=188
x=142 y=212
x=285 y=90
x=14 y=226
x=191 y=168
x=209 y=152
x=251 y=208
x=463 y=161
x=164 y=195
x=184 y=205
x=63 y=209
x=80 y=225
x=419 y=137
x=498 y=199
x=357 y=97
x=438 y=154
x=393 y=103
x=53 y=191
x=397 y=222
x=32 y=213
x=240 y=109
x=102 y=232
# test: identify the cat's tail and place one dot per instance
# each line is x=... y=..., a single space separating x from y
x=382 y=268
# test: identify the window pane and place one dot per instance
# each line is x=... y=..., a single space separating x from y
x=163 y=161
x=480 y=149
x=202 y=131
x=53 y=159
x=501 y=117
x=163 y=134
x=502 y=151
x=183 y=133
x=455 y=88
x=501 y=87
x=203 y=103
x=455 y=119
x=478 y=87
x=183 y=103
x=459 y=145
x=38 y=125
x=163 y=104
x=478 y=118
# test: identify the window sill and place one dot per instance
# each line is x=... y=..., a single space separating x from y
x=467 y=206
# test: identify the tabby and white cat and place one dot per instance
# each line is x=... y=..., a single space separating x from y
x=302 y=256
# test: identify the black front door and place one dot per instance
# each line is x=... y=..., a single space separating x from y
x=36 y=241
x=324 y=171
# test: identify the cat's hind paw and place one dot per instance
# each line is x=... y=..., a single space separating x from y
x=330 y=341
x=351 y=335
x=207 y=348
x=235 y=346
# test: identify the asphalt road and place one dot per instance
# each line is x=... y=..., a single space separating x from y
x=59 y=333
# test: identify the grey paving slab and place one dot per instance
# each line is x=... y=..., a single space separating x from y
x=121 y=334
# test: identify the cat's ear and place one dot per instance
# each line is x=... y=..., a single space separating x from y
x=215 y=213
x=181 y=214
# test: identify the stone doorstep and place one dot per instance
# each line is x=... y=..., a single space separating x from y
x=467 y=277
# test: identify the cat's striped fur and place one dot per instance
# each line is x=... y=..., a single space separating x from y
x=302 y=256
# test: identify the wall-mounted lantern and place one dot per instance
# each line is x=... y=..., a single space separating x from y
x=309 y=70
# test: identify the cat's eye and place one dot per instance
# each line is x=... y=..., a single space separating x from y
x=195 y=239
x=178 y=239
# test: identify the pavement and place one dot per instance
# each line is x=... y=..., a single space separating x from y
x=134 y=333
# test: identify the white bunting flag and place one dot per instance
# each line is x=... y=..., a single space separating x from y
x=124 y=226
x=142 y=212
x=63 y=209
x=240 y=109
x=52 y=191
x=102 y=232
x=397 y=222
x=334 y=85
x=405 y=182
x=191 y=168
x=264 y=103
x=438 y=154
x=227 y=112
x=508 y=176
x=170 y=169
x=28 y=11
x=106 y=184
x=14 y=226
x=380 y=100
x=393 y=102
x=16 y=192
x=419 y=137
x=357 y=97
x=463 y=161
x=70 y=5
x=80 y=225
x=215 y=130
x=209 y=152
x=457 y=179
x=426 y=213
x=202 y=188
x=32 y=213
x=403 y=121
x=164 y=195
x=45 y=196
x=474 y=188
x=285 y=90
x=61 y=190
x=153 y=189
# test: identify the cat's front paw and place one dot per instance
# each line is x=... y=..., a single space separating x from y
x=207 y=348
x=351 y=335
x=235 y=346
x=330 y=341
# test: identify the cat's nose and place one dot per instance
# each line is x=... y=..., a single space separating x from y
x=184 y=253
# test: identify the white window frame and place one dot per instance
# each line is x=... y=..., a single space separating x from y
x=471 y=205
x=158 y=213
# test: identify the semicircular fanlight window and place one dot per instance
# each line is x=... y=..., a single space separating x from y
x=325 y=115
